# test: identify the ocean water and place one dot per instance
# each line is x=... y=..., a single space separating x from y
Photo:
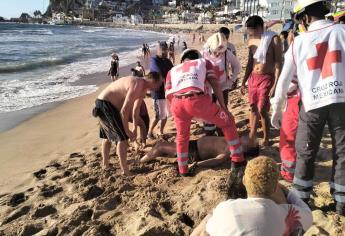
x=39 y=63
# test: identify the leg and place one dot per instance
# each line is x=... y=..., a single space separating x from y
x=253 y=120
x=153 y=125
x=309 y=134
x=163 y=123
x=106 y=145
x=162 y=148
x=182 y=122
x=121 y=150
x=217 y=116
x=288 y=133
x=265 y=125
x=336 y=122
x=213 y=162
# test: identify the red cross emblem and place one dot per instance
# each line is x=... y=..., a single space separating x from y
x=186 y=66
x=218 y=73
x=324 y=60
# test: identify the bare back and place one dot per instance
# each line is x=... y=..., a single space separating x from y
x=117 y=91
x=211 y=146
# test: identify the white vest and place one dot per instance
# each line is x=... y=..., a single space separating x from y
x=188 y=74
x=319 y=55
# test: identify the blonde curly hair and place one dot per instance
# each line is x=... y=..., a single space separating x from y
x=261 y=176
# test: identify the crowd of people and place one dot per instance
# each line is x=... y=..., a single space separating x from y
x=298 y=75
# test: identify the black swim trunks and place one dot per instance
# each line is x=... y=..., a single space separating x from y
x=111 y=122
x=193 y=151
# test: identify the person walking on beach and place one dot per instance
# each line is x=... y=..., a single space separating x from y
x=140 y=70
x=262 y=72
x=160 y=64
x=270 y=209
x=184 y=46
x=318 y=59
x=172 y=52
x=114 y=107
x=114 y=67
x=188 y=96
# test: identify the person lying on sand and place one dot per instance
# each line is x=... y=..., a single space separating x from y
x=269 y=210
x=208 y=151
x=114 y=106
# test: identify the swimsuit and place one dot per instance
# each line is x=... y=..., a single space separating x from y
x=111 y=122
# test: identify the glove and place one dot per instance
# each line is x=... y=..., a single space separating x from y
x=276 y=119
x=277 y=111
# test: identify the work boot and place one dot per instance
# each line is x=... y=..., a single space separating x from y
x=235 y=187
x=340 y=208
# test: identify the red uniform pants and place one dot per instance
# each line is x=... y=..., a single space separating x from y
x=288 y=133
x=184 y=109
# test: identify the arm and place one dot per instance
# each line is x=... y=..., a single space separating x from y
x=144 y=72
x=200 y=230
x=277 y=48
x=298 y=215
x=249 y=69
x=213 y=162
x=235 y=65
x=285 y=78
x=136 y=114
x=131 y=96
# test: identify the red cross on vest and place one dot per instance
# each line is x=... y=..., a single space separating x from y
x=186 y=66
x=324 y=60
x=218 y=72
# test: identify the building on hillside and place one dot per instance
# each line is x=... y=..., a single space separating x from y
x=92 y=4
x=280 y=9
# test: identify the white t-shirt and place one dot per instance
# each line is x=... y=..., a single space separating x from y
x=259 y=217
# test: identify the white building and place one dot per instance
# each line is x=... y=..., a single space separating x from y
x=280 y=9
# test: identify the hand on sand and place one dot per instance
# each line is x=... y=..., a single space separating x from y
x=243 y=89
x=131 y=135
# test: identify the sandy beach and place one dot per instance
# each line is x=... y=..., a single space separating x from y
x=51 y=182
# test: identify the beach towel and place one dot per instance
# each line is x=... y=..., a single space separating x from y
x=266 y=38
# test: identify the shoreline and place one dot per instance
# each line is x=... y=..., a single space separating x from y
x=12 y=119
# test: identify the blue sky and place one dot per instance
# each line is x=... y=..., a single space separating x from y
x=13 y=8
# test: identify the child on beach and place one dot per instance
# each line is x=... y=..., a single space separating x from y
x=262 y=72
x=114 y=67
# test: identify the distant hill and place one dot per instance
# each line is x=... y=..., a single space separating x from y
x=65 y=6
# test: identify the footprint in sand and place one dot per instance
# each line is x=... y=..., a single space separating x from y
x=43 y=211
x=92 y=192
x=17 y=214
x=16 y=199
x=41 y=174
x=50 y=191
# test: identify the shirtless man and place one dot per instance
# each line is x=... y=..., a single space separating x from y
x=263 y=70
x=208 y=151
x=114 y=108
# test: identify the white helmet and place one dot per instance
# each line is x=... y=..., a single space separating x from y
x=300 y=5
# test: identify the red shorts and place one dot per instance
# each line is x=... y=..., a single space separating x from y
x=259 y=86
